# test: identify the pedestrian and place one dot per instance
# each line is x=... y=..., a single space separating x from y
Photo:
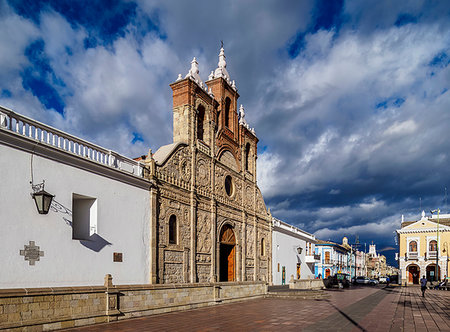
x=423 y=285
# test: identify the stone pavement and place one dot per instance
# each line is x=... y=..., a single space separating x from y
x=354 y=309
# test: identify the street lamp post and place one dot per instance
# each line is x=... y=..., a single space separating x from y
x=437 y=243
x=445 y=245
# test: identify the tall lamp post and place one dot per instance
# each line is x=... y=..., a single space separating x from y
x=437 y=243
x=445 y=245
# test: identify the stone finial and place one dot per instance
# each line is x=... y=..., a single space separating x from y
x=423 y=214
x=242 y=115
x=193 y=72
x=403 y=218
x=233 y=85
x=221 y=70
x=179 y=78
x=211 y=76
x=108 y=281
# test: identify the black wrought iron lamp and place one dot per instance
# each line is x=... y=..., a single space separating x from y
x=42 y=198
x=299 y=250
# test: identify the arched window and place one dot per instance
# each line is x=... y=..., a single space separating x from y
x=247 y=153
x=173 y=229
x=227 y=111
x=432 y=245
x=200 y=120
x=413 y=246
x=263 y=247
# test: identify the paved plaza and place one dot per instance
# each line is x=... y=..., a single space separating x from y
x=354 y=309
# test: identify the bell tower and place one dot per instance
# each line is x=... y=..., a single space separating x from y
x=194 y=109
x=226 y=95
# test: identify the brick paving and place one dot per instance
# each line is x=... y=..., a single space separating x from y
x=354 y=309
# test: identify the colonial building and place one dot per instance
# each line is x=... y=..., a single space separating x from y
x=191 y=212
x=334 y=258
x=375 y=263
x=293 y=252
x=423 y=243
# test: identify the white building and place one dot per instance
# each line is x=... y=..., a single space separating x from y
x=99 y=218
x=292 y=253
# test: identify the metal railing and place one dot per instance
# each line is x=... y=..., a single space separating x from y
x=44 y=134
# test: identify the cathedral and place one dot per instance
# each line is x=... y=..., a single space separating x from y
x=209 y=222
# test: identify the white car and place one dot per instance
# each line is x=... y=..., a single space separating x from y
x=383 y=280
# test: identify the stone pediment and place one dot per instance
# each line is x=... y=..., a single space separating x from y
x=424 y=225
x=165 y=151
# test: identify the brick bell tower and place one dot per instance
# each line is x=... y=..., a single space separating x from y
x=207 y=114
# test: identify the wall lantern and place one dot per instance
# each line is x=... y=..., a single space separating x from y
x=299 y=250
x=42 y=198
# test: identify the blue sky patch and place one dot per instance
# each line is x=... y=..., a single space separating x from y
x=404 y=19
x=327 y=15
x=441 y=60
x=40 y=79
x=390 y=102
x=137 y=137
x=6 y=93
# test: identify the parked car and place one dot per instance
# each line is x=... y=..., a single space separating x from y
x=373 y=282
x=337 y=280
x=361 y=280
x=383 y=280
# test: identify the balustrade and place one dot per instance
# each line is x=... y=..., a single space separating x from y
x=37 y=131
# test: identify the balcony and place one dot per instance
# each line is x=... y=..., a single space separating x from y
x=312 y=259
x=413 y=255
x=431 y=254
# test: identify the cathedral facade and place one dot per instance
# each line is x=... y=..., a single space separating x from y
x=208 y=222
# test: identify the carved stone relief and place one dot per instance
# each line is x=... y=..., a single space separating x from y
x=203 y=232
x=249 y=197
x=179 y=165
x=203 y=174
x=250 y=240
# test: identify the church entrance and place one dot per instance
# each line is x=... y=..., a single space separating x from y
x=413 y=274
x=227 y=254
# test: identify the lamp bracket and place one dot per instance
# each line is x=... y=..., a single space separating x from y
x=37 y=187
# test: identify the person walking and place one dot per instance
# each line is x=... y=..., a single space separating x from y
x=423 y=285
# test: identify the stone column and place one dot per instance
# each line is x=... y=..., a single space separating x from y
x=193 y=214
x=153 y=245
x=213 y=277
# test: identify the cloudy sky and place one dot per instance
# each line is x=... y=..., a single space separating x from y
x=349 y=99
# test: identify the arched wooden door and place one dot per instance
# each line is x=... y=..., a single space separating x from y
x=227 y=254
x=414 y=273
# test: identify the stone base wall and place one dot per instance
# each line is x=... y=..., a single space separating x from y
x=47 y=309
x=306 y=284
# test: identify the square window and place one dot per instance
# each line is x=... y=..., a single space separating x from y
x=84 y=217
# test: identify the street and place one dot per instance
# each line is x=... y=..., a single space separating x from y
x=359 y=308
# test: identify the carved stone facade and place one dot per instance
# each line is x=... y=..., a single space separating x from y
x=209 y=220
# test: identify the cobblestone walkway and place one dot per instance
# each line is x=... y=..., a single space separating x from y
x=355 y=309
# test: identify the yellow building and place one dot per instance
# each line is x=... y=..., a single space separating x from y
x=423 y=243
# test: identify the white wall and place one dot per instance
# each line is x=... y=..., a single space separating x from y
x=123 y=217
x=284 y=252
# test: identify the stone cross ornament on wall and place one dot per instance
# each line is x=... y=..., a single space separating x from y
x=31 y=253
